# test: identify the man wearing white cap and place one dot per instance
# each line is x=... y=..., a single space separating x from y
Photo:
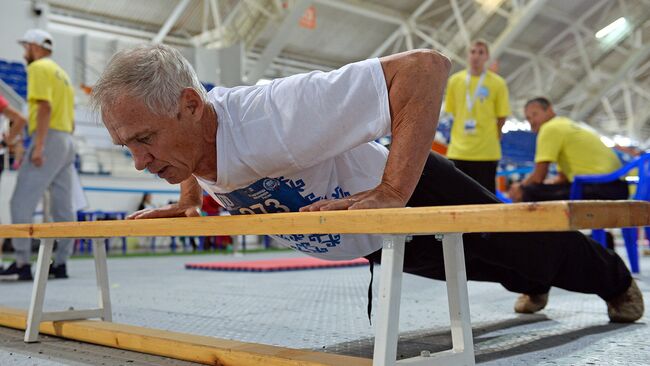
x=48 y=162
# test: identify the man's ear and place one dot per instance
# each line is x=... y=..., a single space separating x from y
x=191 y=104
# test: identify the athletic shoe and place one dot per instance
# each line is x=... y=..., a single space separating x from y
x=59 y=271
x=528 y=304
x=15 y=273
x=626 y=307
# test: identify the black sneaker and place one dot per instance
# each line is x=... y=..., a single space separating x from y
x=59 y=271
x=15 y=273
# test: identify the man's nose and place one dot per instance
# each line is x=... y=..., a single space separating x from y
x=141 y=158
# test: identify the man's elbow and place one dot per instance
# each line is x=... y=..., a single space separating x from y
x=436 y=62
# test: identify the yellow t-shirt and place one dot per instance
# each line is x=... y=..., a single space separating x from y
x=575 y=149
x=47 y=81
x=480 y=143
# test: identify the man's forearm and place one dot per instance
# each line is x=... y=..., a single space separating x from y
x=415 y=96
x=191 y=193
x=538 y=175
x=43 y=114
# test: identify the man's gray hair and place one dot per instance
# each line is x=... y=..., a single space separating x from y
x=154 y=74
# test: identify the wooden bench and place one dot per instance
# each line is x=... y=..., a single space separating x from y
x=394 y=224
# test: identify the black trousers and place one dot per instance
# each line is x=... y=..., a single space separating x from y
x=524 y=262
x=484 y=172
x=616 y=190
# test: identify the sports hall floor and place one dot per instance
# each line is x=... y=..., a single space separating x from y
x=323 y=310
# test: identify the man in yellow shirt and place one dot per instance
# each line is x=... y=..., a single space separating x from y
x=49 y=161
x=478 y=101
x=575 y=150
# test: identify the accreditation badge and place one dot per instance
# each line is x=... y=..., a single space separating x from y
x=470 y=127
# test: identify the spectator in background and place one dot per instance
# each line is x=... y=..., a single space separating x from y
x=145 y=203
x=9 y=146
x=478 y=101
x=14 y=145
x=575 y=149
x=50 y=157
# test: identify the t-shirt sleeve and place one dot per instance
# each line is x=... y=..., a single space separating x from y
x=3 y=103
x=503 y=101
x=548 y=146
x=312 y=117
x=38 y=84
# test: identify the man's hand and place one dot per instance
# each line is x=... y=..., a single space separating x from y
x=173 y=210
x=382 y=196
x=515 y=193
x=37 y=157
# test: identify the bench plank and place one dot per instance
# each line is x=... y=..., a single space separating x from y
x=546 y=216
x=194 y=348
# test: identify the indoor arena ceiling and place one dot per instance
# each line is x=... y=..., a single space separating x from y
x=542 y=47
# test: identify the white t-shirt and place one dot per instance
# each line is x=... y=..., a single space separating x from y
x=299 y=139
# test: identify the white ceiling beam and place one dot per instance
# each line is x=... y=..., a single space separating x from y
x=108 y=30
x=279 y=40
x=460 y=22
x=474 y=24
x=599 y=56
x=629 y=112
x=205 y=15
x=402 y=29
x=368 y=10
x=607 y=106
x=216 y=14
x=519 y=22
x=169 y=23
x=594 y=96
x=439 y=46
x=387 y=42
x=215 y=34
x=584 y=57
x=594 y=8
x=255 y=4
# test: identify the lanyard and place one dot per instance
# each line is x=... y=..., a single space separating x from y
x=470 y=101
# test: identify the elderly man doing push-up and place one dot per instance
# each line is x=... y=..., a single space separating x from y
x=306 y=143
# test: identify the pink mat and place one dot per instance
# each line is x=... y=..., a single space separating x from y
x=286 y=264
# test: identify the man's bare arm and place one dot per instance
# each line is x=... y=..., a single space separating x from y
x=500 y=122
x=538 y=175
x=415 y=82
x=43 y=114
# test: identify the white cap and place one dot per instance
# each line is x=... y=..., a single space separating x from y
x=38 y=37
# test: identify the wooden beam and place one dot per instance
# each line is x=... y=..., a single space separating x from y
x=181 y=346
x=546 y=216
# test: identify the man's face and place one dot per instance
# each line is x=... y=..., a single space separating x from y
x=162 y=145
x=537 y=115
x=28 y=55
x=478 y=56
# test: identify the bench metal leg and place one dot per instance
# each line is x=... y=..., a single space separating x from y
x=461 y=325
x=387 y=333
x=390 y=287
x=36 y=314
x=101 y=272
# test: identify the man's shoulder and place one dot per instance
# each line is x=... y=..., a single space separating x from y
x=555 y=124
x=496 y=78
x=561 y=121
x=43 y=64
